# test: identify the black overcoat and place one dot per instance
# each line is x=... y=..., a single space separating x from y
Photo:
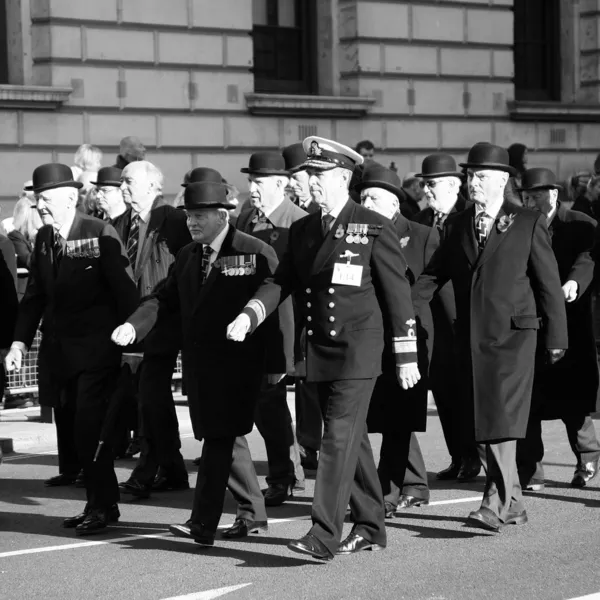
x=223 y=377
x=503 y=296
x=393 y=408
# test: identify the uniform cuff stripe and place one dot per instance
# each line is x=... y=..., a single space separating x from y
x=259 y=310
x=405 y=346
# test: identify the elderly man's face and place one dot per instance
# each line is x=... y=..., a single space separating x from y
x=299 y=186
x=108 y=196
x=441 y=193
x=54 y=206
x=486 y=185
x=205 y=224
x=138 y=189
x=266 y=191
x=381 y=201
x=328 y=188
x=542 y=200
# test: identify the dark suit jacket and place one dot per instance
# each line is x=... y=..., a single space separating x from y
x=570 y=387
x=503 y=296
x=81 y=301
x=392 y=408
x=22 y=249
x=409 y=207
x=275 y=233
x=344 y=323
x=223 y=377
x=8 y=292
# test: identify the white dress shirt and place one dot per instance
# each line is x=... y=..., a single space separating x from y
x=216 y=246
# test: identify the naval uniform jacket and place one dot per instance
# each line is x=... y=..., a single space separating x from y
x=274 y=231
x=344 y=323
x=392 y=408
x=570 y=386
x=504 y=294
x=80 y=302
x=223 y=377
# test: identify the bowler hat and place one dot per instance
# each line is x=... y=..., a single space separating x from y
x=266 y=163
x=538 y=179
x=380 y=177
x=439 y=165
x=108 y=176
x=206 y=194
x=488 y=156
x=53 y=175
x=202 y=174
x=294 y=157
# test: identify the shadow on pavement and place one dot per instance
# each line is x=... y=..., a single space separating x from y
x=436 y=532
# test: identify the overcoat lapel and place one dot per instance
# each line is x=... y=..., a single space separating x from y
x=495 y=237
x=75 y=233
x=155 y=222
x=330 y=243
x=468 y=241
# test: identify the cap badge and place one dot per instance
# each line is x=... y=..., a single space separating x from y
x=315 y=149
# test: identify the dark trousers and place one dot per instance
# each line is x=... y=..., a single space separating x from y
x=530 y=450
x=347 y=472
x=83 y=411
x=159 y=439
x=213 y=477
x=274 y=422
x=502 y=492
x=127 y=390
x=401 y=467
x=309 y=421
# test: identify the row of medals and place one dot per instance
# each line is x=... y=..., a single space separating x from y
x=239 y=271
x=357 y=233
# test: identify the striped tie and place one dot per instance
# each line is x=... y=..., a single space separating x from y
x=482 y=226
x=133 y=239
x=206 y=254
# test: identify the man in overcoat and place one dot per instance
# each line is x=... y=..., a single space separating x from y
x=210 y=282
x=395 y=412
x=80 y=285
x=506 y=282
x=567 y=390
x=345 y=268
x=441 y=184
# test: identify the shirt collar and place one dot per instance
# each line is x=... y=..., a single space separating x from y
x=552 y=214
x=490 y=210
x=269 y=211
x=65 y=228
x=335 y=213
x=218 y=241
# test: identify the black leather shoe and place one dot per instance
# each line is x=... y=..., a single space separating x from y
x=95 y=521
x=276 y=494
x=308 y=458
x=242 y=527
x=407 y=501
x=311 y=545
x=469 y=469
x=135 y=488
x=80 y=481
x=196 y=531
x=535 y=485
x=356 y=543
x=59 y=480
x=449 y=473
x=516 y=518
x=584 y=474
x=164 y=484
x=113 y=517
x=390 y=510
x=485 y=519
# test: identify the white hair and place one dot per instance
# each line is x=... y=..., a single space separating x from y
x=151 y=172
x=88 y=158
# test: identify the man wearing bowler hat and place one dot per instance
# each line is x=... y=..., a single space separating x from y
x=269 y=220
x=345 y=268
x=80 y=285
x=567 y=390
x=211 y=281
x=441 y=181
x=110 y=198
x=395 y=412
x=295 y=159
x=506 y=282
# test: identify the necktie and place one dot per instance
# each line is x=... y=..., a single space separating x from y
x=133 y=239
x=326 y=221
x=482 y=226
x=206 y=254
x=57 y=249
x=438 y=221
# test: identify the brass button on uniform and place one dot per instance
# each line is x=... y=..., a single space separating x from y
x=331 y=319
x=331 y=304
x=332 y=332
x=309 y=318
x=331 y=290
x=310 y=332
x=308 y=290
x=308 y=305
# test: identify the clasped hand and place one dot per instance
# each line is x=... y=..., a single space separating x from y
x=408 y=375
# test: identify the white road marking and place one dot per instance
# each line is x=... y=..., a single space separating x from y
x=22 y=456
x=595 y=596
x=210 y=594
x=456 y=500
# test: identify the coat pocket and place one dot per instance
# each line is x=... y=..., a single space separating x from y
x=525 y=322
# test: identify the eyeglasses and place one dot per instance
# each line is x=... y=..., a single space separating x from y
x=105 y=190
x=431 y=183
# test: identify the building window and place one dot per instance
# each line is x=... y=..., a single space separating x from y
x=537 y=50
x=283 y=34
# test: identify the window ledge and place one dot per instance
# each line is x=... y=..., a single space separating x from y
x=314 y=106
x=554 y=111
x=33 y=96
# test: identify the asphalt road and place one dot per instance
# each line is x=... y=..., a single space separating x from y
x=431 y=554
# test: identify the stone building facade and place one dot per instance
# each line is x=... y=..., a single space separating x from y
x=206 y=82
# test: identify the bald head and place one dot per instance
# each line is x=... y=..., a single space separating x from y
x=141 y=183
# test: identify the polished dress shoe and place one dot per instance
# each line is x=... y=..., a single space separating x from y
x=585 y=473
x=449 y=473
x=390 y=510
x=309 y=544
x=59 y=480
x=95 y=521
x=70 y=522
x=535 y=485
x=469 y=469
x=407 y=501
x=356 y=543
x=80 y=480
x=485 y=519
x=276 y=494
x=165 y=484
x=308 y=458
x=242 y=527
x=196 y=531
x=135 y=488
x=516 y=518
